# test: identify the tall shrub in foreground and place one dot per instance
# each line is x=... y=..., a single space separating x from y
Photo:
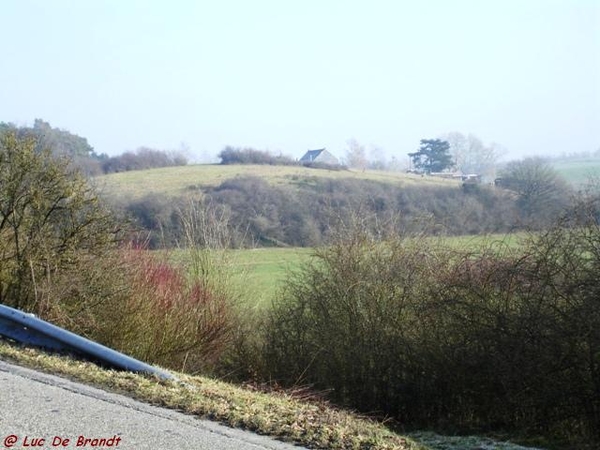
x=51 y=223
x=178 y=311
x=349 y=322
x=169 y=318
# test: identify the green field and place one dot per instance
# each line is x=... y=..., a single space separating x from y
x=579 y=172
x=260 y=273
x=178 y=180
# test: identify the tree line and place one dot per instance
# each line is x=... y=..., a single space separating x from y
x=82 y=155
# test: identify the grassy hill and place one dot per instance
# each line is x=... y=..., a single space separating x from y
x=272 y=205
x=177 y=180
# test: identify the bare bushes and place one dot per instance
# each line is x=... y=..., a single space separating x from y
x=522 y=333
x=233 y=155
x=51 y=221
x=299 y=214
x=182 y=315
x=500 y=338
x=147 y=305
x=167 y=317
x=143 y=158
x=177 y=310
x=349 y=323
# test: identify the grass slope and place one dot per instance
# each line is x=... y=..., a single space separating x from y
x=177 y=180
x=280 y=414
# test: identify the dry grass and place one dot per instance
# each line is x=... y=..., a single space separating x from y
x=280 y=415
x=177 y=180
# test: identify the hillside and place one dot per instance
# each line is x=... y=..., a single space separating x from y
x=175 y=181
x=271 y=205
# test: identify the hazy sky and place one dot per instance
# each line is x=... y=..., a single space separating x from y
x=292 y=75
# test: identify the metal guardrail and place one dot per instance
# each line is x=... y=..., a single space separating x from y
x=28 y=329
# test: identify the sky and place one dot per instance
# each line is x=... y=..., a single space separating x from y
x=288 y=76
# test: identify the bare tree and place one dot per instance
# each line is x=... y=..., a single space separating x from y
x=377 y=158
x=356 y=156
x=471 y=155
x=542 y=192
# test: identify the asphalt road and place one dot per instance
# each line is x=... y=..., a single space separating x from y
x=43 y=411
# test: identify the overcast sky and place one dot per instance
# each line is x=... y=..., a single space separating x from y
x=288 y=76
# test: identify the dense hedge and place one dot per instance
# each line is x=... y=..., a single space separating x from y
x=233 y=155
x=141 y=159
x=489 y=340
x=303 y=212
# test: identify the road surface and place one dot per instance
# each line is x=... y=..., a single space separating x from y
x=40 y=411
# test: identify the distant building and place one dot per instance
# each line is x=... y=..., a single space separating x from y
x=319 y=156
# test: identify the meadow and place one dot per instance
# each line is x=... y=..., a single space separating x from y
x=578 y=172
x=175 y=181
x=260 y=273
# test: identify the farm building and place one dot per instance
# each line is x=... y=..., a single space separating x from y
x=319 y=156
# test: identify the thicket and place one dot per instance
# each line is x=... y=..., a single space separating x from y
x=538 y=188
x=301 y=213
x=51 y=222
x=235 y=155
x=141 y=159
x=501 y=338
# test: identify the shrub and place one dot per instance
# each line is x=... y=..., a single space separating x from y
x=232 y=155
x=156 y=215
x=180 y=315
x=141 y=303
x=51 y=222
x=348 y=323
x=542 y=194
x=493 y=339
x=170 y=319
x=143 y=158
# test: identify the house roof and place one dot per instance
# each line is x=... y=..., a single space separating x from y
x=311 y=155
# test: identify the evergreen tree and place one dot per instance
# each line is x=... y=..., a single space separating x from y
x=433 y=156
